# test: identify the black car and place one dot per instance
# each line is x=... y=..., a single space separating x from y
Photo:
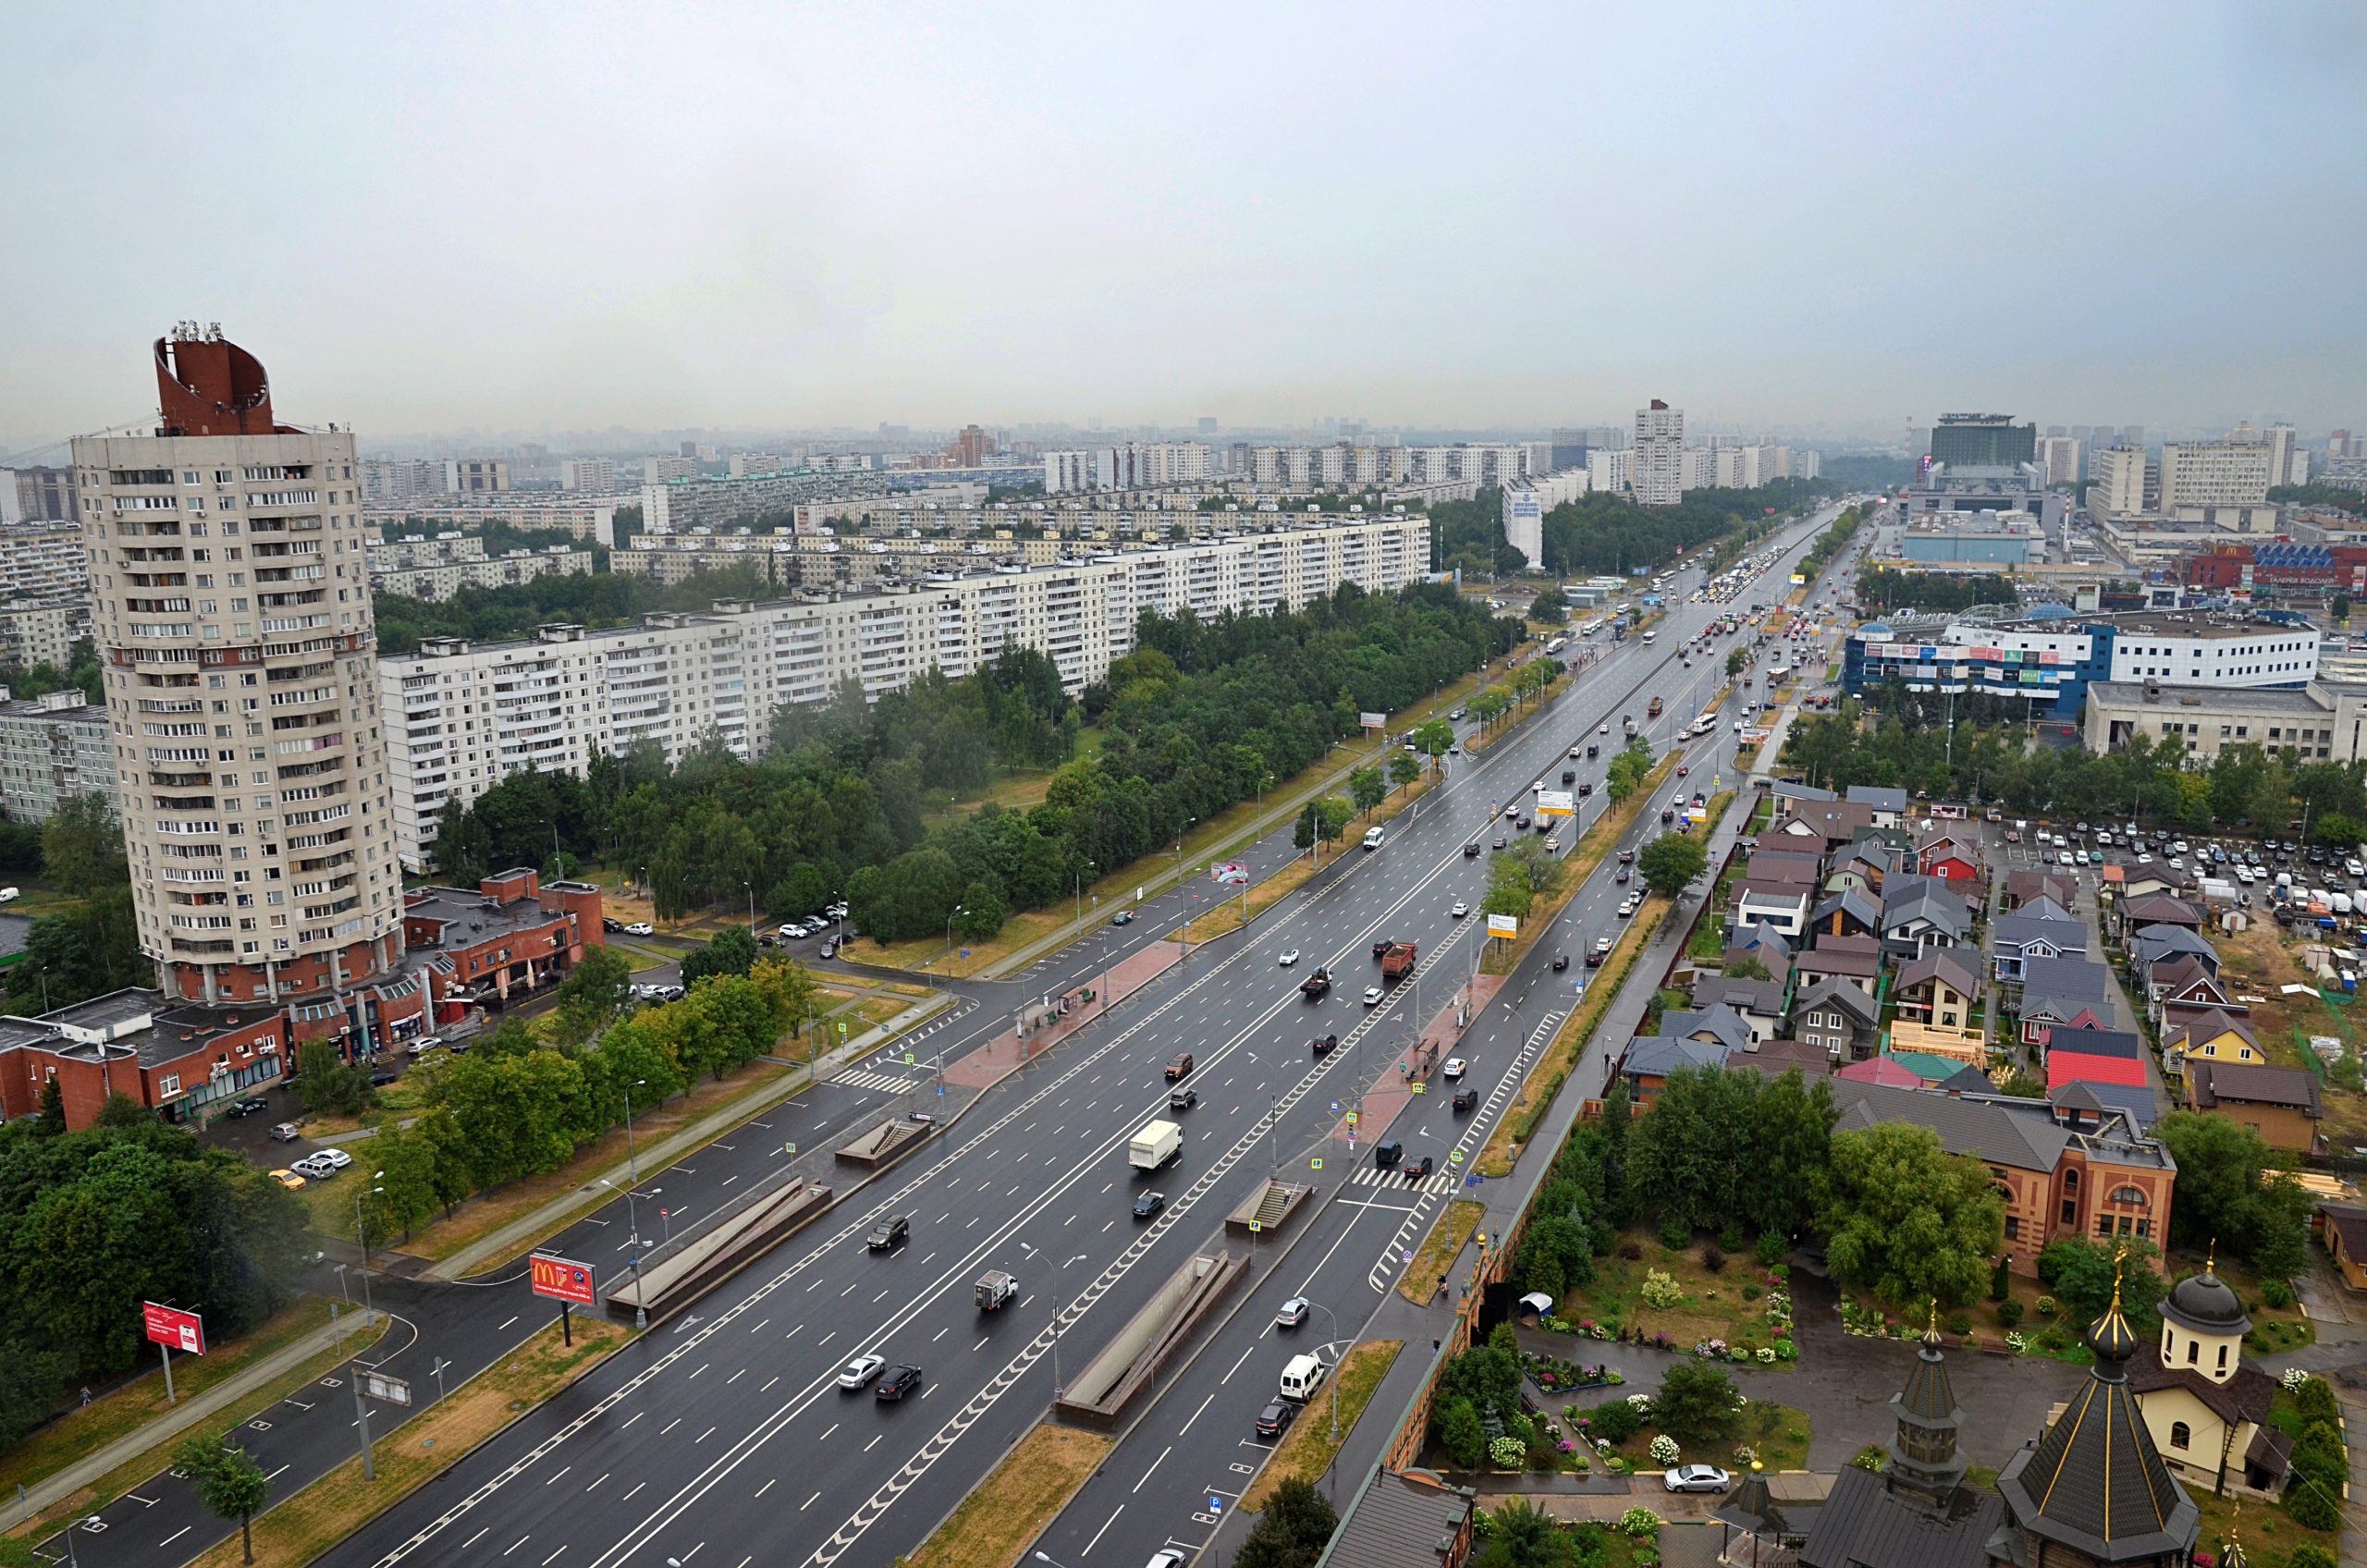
x=1419 y=1170
x=1322 y=1045
x=1466 y=1101
x=1275 y=1418
x=892 y=1233
x=1148 y=1205
x=895 y=1383
x=1560 y=962
x=248 y=1107
x=1387 y=1152
x=1569 y=775
x=611 y=923
x=381 y=1076
x=1380 y=949
x=1471 y=850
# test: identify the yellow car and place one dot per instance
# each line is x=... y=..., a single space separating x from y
x=287 y=1179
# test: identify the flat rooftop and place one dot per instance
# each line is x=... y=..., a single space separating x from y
x=470 y=918
x=2281 y=701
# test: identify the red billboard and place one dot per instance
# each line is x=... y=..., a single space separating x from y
x=172 y=1328
x=560 y=1279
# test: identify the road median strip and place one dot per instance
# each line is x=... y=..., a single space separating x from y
x=1419 y=1283
x=991 y=1527
x=1308 y=1451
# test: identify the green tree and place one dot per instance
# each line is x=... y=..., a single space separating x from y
x=1906 y=1218
x=1549 y=608
x=1672 y=862
x=2222 y=1197
x=2339 y=607
x=81 y=847
x=1291 y=1531
x=1696 y=1402
x=732 y=951
x=1736 y=660
x=1402 y=768
x=228 y=1482
x=2081 y=1273
x=591 y=995
x=1461 y=1434
x=983 y=912
x=1332 y=815
x=1303 y=831
x=1524 y=1536
x=1366 y=787
x=1433 y=737
x=327 y=1085
x=51 y=1121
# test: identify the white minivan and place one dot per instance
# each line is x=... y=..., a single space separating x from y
x=1303 y=1376
x=1372 y=838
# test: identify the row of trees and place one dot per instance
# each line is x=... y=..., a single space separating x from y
x=1982 y=757
x=1606 y=534
x=92 y=1223
x=1883 y=588
x=515 y=1108
x=1200 y=717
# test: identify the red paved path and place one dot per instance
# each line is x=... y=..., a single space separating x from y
x=997 y=1059
x=1392 y=1091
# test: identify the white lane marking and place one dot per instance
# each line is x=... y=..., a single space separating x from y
x=1195 y=1415
x=1103 y=1531
x=1237 y=1366
x=768 y=1486
x=1154 y=1466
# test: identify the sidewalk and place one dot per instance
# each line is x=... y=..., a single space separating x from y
x=191 y=1412
x=498 y=1244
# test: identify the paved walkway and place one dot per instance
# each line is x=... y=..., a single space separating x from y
x=1011 y=1050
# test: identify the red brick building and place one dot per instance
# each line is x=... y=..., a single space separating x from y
x=509 y=939
x=182 y=1062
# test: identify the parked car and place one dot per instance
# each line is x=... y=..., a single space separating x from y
x=285 y=1133
x=1697 y=1479
x=641 y=928
x=287 y=1179
x=1124 y=917
x=247 y=1107
x=1275 y=1418
x=611 y=923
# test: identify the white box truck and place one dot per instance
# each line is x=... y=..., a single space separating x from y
x=1157 y=1145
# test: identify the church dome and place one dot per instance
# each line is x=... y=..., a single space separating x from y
x=2202 y=1303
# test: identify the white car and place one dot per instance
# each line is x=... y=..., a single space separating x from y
x=641 y=928
x=794 y=928
x=1604 y=728
x=1627 y=907
x=334 y=1158
x=1290 y=957
x=1697 y=1479
x=1460 y=909
x=1453 y=1067
x=1372 y=996
x=1292 y=1313
x=861 y=1371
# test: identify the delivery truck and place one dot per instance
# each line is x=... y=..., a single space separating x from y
x=1156 y=1146
x=996 y=1290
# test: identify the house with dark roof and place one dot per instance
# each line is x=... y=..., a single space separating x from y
x=1825 y=823
x=1846 y=913
x=1833 y=1014
x=1758 y=1003
x=2046 y=909
x=2064 y=993
x=2144 y=881
x=1770 y=946
x=1784 y=866
x=1889 y=805
x=1941 y=988
x=1781 y=1055
x=2087 y=1106
x=2279 y=1103
x=2342 y=1228
x=1650 y=1059
x=1884 y=1069
x=1787 y=790
x=2021 y=886
x=2122 y=1043
x=2153 y=909
x=1716 y=1024
x=1919 y=914
x=2020 y=938
x=2210 y=1034
x=1403 y=1521
x=2205 y=1410
x=2152 y=945
x=2186 y=987
x=1856 y=960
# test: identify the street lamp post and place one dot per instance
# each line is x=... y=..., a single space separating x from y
x=633 y=1158
x=1334 y=1381
x=633 y=1214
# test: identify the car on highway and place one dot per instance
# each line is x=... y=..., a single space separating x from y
x=287 y=1179
x=1456 y=1066
x=1147 y=1205
x=641 y=928
x=1471 y=850
x=1322 y=1044
x=1460 y=909
x=249 y=1107
x=1275 y=1418
x=1560 y=962
x=861 y=1371
x=1623 y=874
x=1696 y=1478
x=1292 y=1312
x=1179 y=1066
x=1372 y=996
x=1604 y=727
x=1500 y=841
x=893 y=1232
x=1466 y=1101
x=1124 y=917
x=1387 y=1152
x=898 y=1382
x=1419 y=1169
x=1290 y=956
x=1183 y=1099
x=1627 y=907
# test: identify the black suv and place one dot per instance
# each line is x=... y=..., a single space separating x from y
x=895 y=1383
x=1388 y=1151
x=890 y=1233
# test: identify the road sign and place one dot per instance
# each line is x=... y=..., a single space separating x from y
x=1216 y=1503
x=560 y=1279
x=1255 y=1226
x=792 y=1146
x=1317 y=1163
x=1503 y=925
x=1421 y=1088
x=379 y=1385
x=1454 y=1157
x=1352 y=1117
x=173 y=1329
x=1335 y=1108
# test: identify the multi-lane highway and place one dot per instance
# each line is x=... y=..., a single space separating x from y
x=723 y=1434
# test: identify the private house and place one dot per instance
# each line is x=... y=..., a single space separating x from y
x=2209 y=1036
x=1650 y=1059
x=1950 y=856
x=1783 y=865
x=2279 y=1103
x=2110 y=1064
x=1962 y=1046
x=1780 y=906
x=1919 y=914
x=1846 y=913
x=1884 y=1068
x=2155 y=908
x=2156 y=944
x=2021 y=886
x=2144 y=881
x=2085 y=1106
x=2342 y=1229
x=1780 y=1056
x=2020 y=938
x=2064 y=993
x=1855 y=959
x=2098 y=1042
x=1787 y=790
x=2095 y=1179
x=2185 y=987
x=1833 y=1014
x=1941 y=988
x=1758 y=1003
x=1823 y=825
x=2046 y=909
x=1718 y=1025
x=2206 y=1411
x=1888 y=806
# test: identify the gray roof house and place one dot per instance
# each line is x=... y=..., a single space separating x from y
x=1890 y=805
x=2020 y=938
x=1836 y=1015
x=1758 y=1003
x=1920 y=914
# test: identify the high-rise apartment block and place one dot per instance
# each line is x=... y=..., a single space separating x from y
x=41 y=495
x=387 y=480
x=232 y=612
x=43 y=561
x=2214 y=474
x=1134 y=466
x=1657 y=470
x=597 y=475
x=742 y=465
x=1608 y=469
x=476 y=476
x=2058 y=458
x=2119 y=488
x=54 y=749
x=659 y=470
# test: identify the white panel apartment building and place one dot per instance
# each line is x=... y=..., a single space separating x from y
x=1657 y=474
x=461 y=716
x=597 y=475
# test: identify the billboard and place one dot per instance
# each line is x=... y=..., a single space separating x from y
x=1503 y=925
x=1556 y=803
x=1373 y=720
x=1231 y=873
x=173 y=1329
x=560 y=1279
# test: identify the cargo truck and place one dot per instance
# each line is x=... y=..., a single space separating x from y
x=996 y=1290
x=1397 y=961
x=1654 y=710
x=1157 y=1145
x=1316 y=986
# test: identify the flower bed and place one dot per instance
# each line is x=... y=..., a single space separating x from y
x=1556 y=1375
x=1669 y=1300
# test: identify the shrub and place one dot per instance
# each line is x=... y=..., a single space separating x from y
x=1771 y=1249
x=1675 y=1234
x=1870 y=1457
x=1664 y=1450
x=2308 y=1554
x=2046 y=1306
x=1507 y=1453
x=1750 y=1292
x=1615 y=1422
x=1461 y=1435
x=2009 y=1312
x=1660 y=1290
x=2278 y=1293
x=2314 y=1399
x=1631 y=1250
x=1731 y=1238
x=2312 y=1507
x=1959 y=1323
x=1713 y=1259
x=1640 y=1521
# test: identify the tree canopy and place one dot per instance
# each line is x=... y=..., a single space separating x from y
x=1907 y=1220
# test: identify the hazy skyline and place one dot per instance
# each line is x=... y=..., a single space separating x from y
x=552 y=217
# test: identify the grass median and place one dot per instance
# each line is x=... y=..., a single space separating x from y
x=1308 y=1449
x=1552 y=1067
x=1227 y=917
x=1011 y=1507
x=300 y=1526
x=1419 y=1283
x=1584 y=859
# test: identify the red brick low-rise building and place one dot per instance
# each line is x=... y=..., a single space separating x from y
x=183 y=1061
x=509 y=939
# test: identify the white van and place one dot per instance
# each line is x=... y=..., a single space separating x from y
x=1303 y=1376
x=1372 y=838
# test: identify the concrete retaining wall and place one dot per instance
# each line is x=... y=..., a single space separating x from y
x=1098 y=1397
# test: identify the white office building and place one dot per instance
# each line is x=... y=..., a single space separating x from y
x=459 y=717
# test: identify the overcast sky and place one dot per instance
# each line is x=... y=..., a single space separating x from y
x=515 y=216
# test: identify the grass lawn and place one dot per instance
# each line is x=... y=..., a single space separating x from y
x=1027 y=1490
x=2269 y=1532
x=1306 y=1449
x=490 y=1211
x=1551 y=1067
x=1776 y=1435
x=1018 y=789
x=81 y=1429
x=1713 y=1303
x=1420 y=1281
x=306 y=1524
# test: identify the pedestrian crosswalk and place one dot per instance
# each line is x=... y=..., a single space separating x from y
x=1368 y=1175
x=886 y=1083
